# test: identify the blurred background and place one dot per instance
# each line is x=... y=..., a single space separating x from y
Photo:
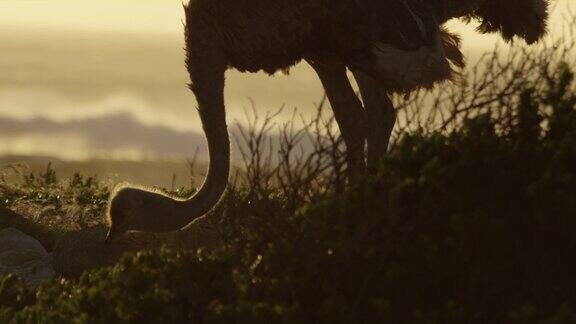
x=99 y=87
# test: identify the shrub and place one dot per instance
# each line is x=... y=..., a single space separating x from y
x=53 y=207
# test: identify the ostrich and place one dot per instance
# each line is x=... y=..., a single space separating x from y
x=389 y=45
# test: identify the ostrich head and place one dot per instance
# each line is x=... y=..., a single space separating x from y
x=123 y=210
x=526 y=19
x=133 y=209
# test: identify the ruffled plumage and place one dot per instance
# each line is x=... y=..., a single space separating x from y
x=513 y=18
x=401 y=42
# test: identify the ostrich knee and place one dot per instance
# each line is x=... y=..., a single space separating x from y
x=380 y=115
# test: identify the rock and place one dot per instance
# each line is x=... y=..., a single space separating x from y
x=82 y=250
x=9 y=218
x=85 y=249
x=24 y=256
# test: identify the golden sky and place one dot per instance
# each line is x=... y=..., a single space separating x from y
x=112 y=63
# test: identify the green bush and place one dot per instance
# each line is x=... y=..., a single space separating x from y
x=149 y=287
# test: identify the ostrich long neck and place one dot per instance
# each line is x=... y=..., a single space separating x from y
x=209 y=88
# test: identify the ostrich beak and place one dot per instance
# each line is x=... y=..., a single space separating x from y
x=108 y=239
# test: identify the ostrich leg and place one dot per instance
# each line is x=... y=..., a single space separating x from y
x=380 y=115
x=347 y=109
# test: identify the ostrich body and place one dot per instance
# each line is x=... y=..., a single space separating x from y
x=389 y=45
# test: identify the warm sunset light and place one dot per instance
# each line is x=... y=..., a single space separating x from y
x=288 y=161
x=120 y=63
